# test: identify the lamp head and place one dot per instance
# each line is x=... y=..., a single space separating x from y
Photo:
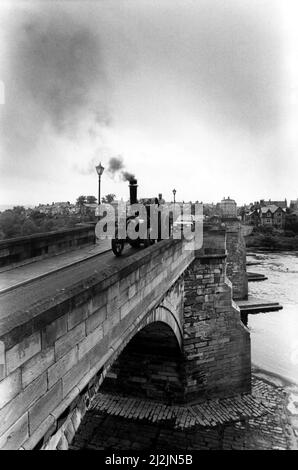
x=99 y=168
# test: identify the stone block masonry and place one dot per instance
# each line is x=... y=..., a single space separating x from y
x=215 y=359
x=216 y=343
x=236 y=259
x=54 y=351
x=210 y=414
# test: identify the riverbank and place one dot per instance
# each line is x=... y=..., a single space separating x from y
x=282 y=396
x=265 y=242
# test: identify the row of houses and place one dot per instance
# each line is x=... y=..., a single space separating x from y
x=58 y=208
x=266 y=213
x=261 y=213
x=271 y=215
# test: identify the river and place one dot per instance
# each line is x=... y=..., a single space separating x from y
x=274 y=335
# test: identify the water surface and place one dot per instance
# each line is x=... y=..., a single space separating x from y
x=274 y=335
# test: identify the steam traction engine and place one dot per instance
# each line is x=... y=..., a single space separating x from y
x=134 y=223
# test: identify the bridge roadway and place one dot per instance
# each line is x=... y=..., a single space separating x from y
x=18 y=274
x=15 y=303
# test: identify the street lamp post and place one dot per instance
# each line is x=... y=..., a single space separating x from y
x=99 y=168
x=174 y=193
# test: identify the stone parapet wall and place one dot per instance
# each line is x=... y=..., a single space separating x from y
x=16 y=250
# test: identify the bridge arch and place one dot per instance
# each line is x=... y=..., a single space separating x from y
x=162 y=314
x=151 y=363
x=168 y=311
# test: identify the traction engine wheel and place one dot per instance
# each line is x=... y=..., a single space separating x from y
x=117 y=246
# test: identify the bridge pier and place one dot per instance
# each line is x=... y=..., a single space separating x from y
x=236 y=258
x=216 y=343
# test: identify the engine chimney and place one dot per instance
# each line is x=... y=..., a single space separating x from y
x=133 y=189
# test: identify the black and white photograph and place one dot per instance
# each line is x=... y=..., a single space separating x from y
x=149 y=228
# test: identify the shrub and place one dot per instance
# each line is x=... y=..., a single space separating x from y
x=289 y=233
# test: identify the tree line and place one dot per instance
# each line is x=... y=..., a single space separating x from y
x=19 y=221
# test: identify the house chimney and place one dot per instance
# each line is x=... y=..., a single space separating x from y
x=133 y=190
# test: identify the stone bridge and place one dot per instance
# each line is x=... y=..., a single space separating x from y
x=162 y=324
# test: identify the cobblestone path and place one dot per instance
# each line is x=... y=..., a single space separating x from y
x=272 y=430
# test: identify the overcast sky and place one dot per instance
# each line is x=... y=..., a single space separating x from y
x=200 y=96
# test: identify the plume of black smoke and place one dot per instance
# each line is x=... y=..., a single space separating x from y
x=126 y=176
x=116 y=166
